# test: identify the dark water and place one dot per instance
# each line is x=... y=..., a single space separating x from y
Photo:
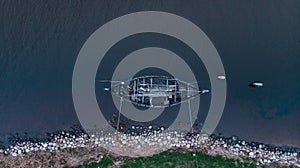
x=257 y=40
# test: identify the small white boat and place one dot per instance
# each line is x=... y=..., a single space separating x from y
x=221 y=77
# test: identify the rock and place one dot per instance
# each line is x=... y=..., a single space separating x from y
x=243 y=142
x=251 y=154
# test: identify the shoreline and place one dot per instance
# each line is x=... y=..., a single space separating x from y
x=151 y=142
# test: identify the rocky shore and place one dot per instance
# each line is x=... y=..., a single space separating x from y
x=146 y=143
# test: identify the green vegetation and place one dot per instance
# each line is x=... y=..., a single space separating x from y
x=105 y=162
x=177 y=159
x=51 y=164
x=186 y=159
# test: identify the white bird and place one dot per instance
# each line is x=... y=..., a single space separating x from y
x=256 y=84
x=204 y=91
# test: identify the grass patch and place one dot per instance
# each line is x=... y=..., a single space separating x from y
x=170 y=159
x=186 y=159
